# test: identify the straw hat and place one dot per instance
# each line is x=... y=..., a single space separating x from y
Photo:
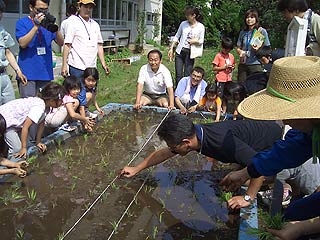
x=86 y=2
x=293 y=91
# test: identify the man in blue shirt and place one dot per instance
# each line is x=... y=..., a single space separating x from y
x=190 y=90
x=35 y=55
x=292 y=94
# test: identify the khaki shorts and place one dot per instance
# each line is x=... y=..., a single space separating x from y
x=154 y=97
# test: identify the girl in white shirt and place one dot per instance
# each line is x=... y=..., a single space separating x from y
x=18 y=115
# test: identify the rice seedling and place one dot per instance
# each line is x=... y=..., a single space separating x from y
x=160 y=217
x=114 y=225
x=20 y=234
x=31 y=159
x=268 y=221
x=60 y=236
x=114 y=186
x=73 y=186
x=225 y=196
x=10 y=195
x=32 y=195
x=155 y=232
x=163 y=204
x=168 y=192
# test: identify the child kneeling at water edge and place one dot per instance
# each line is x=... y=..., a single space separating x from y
x=88 y=93
x=68 y=109
x=211 y=102
x=18 y=115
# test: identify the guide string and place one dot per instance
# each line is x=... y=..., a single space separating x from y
x=118 y=176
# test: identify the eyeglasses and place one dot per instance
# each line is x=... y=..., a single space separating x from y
x=41 y=10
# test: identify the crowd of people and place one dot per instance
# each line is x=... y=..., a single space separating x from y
x=269 y=94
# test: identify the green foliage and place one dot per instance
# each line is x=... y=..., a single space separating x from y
x=226 y=18
x=225 y=196
x=141 y=28
x=268 y=221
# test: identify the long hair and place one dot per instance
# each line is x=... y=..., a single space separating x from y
x=251 y=13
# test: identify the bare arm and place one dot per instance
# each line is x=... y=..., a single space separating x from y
x=295 y=230
x=24 y=136
x=254 y=186
x=65 y=54
x=138 y=96
x=183 y=110
x=13 y=63
x=218 y=113
x=26 y=39
x=171 y=97
x=170 y=53
x=101 y=58
x=59 y=39
x=154 y=158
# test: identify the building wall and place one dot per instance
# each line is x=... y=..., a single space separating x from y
x=110 y=14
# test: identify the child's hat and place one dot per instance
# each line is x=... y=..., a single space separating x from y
x=293 y=91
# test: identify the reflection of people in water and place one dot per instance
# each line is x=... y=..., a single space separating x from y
x=227 y=141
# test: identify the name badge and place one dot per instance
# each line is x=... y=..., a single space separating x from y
x=41 y=50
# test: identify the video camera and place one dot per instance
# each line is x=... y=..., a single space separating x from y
x=49 y=21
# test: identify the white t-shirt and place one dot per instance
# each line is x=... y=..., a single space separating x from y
x=155 y=83
x=84 y=37
x=16 y=111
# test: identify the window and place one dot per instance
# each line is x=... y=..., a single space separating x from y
x=12 y=6
x=150 y=18
x=111 y=9
x=95 y=11
x=130 y=11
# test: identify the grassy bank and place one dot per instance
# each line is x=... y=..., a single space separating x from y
x=120 y=85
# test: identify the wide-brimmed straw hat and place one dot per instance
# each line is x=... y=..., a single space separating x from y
x=293 y=91
x=87 y=2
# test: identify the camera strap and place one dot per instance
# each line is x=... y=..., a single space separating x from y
x=84 y=25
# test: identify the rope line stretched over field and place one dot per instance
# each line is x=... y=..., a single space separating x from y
x=110 y=184
x=127 y=209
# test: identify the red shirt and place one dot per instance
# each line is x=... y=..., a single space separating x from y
x=221 y=60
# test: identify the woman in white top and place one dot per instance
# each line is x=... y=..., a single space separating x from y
x=190 y=36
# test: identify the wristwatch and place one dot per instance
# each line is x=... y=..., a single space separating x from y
x=247 y=198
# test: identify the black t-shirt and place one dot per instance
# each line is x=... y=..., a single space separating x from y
x=237 y=141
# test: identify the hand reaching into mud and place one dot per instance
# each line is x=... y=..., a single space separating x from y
x=129 y=171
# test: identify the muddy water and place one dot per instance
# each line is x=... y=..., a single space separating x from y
x=179 y=200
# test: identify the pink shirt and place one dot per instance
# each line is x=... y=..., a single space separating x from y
x=221 y=60
x=68 y=99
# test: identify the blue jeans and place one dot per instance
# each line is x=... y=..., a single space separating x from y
x=183 y=64
x=76 y=72
x=304 y=208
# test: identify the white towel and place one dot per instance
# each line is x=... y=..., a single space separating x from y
x=186 y=99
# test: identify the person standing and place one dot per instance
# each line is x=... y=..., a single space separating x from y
x=83 y=42
x=6 y=58
x=248 y=61
x=35 y=55
x=190 y=36
x=300 y=8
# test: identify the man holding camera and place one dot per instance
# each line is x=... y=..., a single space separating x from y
x=83 y=42
x=35 y=34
